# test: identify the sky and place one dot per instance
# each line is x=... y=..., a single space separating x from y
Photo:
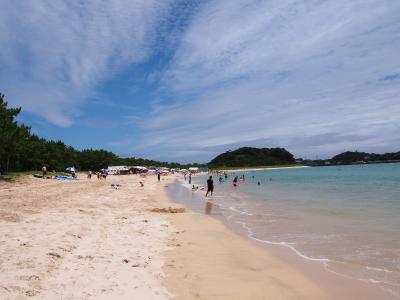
x=186 y=80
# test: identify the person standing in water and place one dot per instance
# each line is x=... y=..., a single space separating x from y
x=210 y=186
x=190 y=178
x=235 y=180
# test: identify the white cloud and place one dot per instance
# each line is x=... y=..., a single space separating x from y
x=286 y=72
x=55 y=52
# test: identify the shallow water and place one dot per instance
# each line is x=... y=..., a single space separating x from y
x=346 y=217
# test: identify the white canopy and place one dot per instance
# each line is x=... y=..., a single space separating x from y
x=140 y=168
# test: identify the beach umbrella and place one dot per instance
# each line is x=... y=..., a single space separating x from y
x=71 y=169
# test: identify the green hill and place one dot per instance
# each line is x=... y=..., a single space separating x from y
x=349 y=157
x=252 y=157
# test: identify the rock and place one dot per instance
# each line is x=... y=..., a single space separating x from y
x=54 y=254
x=170 y=210
x=31 y=293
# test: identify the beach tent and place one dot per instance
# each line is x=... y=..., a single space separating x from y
x=138 y=169
x=117 y=170
x=194 y=170
x=163 y=171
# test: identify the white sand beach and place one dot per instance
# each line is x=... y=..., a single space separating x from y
x=81 y=240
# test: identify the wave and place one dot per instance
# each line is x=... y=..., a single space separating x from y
x=284 y=244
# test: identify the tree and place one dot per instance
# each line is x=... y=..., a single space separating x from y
x=22 y=151
x=12 y=136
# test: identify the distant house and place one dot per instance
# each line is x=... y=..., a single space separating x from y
x=118 y=170
x=198 y=169
x=138 y=169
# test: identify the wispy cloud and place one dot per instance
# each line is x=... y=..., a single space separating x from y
x=55 y=52
x=285 y=71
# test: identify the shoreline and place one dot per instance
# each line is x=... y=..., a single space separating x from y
x=335 y=285
x=213 y=262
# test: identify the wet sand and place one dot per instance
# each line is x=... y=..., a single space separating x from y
x=212 y=262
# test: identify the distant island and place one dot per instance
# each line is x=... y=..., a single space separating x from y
x=355 y=157
x=252 y=157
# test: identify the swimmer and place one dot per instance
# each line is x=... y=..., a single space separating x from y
x=234 y=182
x=258 y=183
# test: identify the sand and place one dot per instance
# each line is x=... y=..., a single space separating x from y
x=85 y=240
x=81 y=240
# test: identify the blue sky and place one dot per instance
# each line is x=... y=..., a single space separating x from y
x=186 y=80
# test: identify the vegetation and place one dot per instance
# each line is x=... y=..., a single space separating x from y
x=252 y=157
x=20 y=150
x=356 y=157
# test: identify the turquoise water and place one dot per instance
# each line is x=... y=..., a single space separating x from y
x=346 y=217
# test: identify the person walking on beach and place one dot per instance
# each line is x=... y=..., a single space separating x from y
x=44 y=171
x=190 y=178
x=159 y=176
x=210 y=186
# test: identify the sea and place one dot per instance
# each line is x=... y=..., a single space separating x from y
x=345 y=217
